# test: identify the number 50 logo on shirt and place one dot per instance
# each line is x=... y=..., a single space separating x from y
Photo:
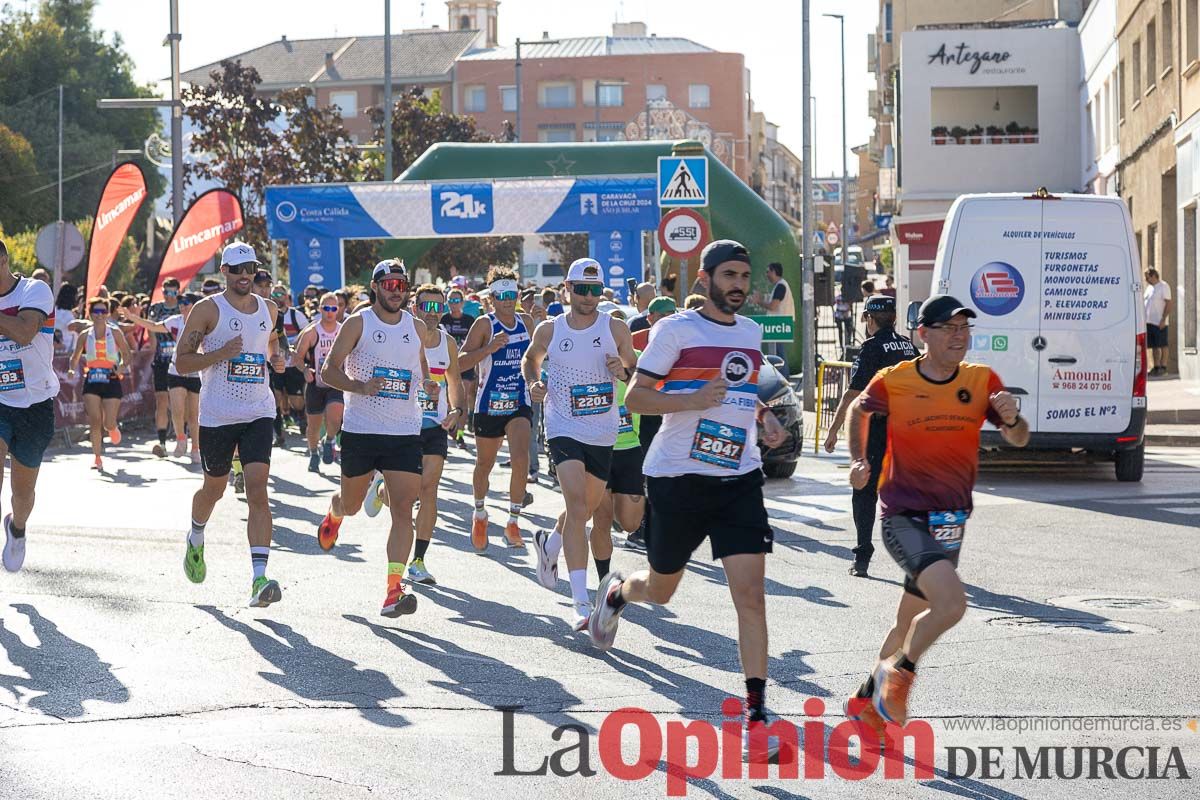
x=460 y=208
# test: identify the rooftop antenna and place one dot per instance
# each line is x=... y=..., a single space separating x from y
x=422 y=13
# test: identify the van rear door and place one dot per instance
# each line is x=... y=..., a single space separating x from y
x=1088 y=320
x=994 y=267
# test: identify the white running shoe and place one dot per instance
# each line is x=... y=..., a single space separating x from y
x=583 y=612
x=14 y=548
x=603 y=625
x=373 y=504
x=547 y=563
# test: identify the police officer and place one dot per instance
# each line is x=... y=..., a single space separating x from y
x=883 y=348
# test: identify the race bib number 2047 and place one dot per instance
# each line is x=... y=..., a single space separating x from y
x=718 y=444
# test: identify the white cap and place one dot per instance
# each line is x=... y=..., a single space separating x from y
x=238 y=253
x=586 y=270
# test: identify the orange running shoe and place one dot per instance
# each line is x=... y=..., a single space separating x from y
x=512 y=534
x=114 y=435
x=98 y=464
x=859 y=709
x=479 y=533
x=397 y=603
x=327 y=533
x=892 y=685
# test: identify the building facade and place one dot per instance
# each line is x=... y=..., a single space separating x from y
x=1147 y=105
x=1101 y=144
x=1187 y=202
x=776 y=171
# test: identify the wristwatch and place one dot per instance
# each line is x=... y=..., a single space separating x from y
x=1015 y=422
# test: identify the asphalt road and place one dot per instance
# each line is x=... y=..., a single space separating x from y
x=119 y=678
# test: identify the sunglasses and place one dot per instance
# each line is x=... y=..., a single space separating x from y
x=393 y=284
x=504 y=296
x=330 y=309
x=99 y=310
x=185 y=302
x=242 y=269
x=455 y=301
x=585 y=289
x=211 y=289
x=170 y=293
x=432 y=306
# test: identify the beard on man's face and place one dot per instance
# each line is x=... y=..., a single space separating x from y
x=726 y=302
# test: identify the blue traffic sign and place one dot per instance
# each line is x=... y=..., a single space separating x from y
x=682 y=181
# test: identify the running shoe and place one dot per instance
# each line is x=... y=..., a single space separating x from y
x=327 y=451
x=398 y=602
x=579 y=620
x=547 y=566
x=314 y=461
x=263 y=592
x=180 y=448
x=636 y=540
x=859 y=570
x=280 y=439
x=114 y=436
x=892 y=685
x=512 y=535
x=373 y=503
x=14 y=548
x=858 y=707
x=528 y=501
x=602 y=626
x=751 y=731
x=239 y=483
x=479 y=526
x=462 y=443
x=327 y=532
x=98 y=464
x=193 y=563
x=418 y=574
x=160 y=451
x=195 y=456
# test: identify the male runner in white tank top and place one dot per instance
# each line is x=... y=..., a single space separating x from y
x=378 y=361
x=588 y=352
x=322 y=403
x=227 y=338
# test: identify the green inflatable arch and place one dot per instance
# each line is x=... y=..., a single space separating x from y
x=734 y=211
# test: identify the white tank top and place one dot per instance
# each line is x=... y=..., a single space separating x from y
x=438 y=359
x=321 y=349
x=392 y=352
x=581 y=393
x=174 y=326
x=238 y=390
x=101 y=354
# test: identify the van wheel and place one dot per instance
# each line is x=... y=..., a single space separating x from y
x=1130 y=463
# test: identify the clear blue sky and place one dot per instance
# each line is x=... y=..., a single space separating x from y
x=767 y=32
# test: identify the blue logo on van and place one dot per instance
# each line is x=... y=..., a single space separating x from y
x=997 y=288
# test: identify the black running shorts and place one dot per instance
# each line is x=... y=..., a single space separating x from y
x=910 y=542
x=684 y=510
x=626 y=476
x=435 y=441
x=251 y=440
x=161 y=376
x=597 y=459
x=363 y=453
x=316 y=398
x=291 y=381
x=489 y=426
x=28 y=431
x=105 y=390
x=191 y=383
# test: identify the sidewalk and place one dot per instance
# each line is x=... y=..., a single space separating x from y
x=1173 y=417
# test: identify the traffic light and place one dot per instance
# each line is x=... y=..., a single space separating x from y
x=823 y=284
x=852 y=277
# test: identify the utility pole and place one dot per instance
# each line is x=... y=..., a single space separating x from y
x=387 y=89
x=807 y=294
x=60 y=256
x=517 y=66
x=845 y=176
x=176 y=120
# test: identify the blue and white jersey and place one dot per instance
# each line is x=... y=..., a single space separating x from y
x=501 y=386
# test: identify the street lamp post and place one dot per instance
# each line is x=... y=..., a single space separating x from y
x=845 y=178
x=387 y=90
x=807 y=293
x=517 y=68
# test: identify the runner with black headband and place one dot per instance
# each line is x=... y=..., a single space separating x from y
x=496 y=344
x=700 y=372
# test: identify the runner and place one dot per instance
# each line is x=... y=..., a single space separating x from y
x=164 y=349
x=102 y=392
x=703 y=467
x=438 y=415
x=184 y=390
x=589 y=351
x=883 y=348
x=288 y=387
x=458 y=324
x=497 y=343
x=228 y=339
x=376 y=358
x=935 y=406
x=322 y=403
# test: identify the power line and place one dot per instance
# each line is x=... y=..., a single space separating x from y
x=103 y=165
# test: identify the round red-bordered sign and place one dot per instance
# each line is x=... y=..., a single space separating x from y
x=682 y=232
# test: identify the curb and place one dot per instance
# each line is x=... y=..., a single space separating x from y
x=1173 y=439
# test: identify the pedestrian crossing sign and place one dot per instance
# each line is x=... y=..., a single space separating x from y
x=682 y=181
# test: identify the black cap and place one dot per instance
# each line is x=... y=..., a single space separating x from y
x=722 y=250
x=880 y=304
x=940 y=308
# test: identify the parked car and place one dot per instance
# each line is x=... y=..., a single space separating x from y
x=775 y=391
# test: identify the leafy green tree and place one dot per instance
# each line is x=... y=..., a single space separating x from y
x=18 y=169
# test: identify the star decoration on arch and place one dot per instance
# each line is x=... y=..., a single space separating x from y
x=561 y=166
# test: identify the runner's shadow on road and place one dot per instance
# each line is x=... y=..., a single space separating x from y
x=306 y=544
x=125 y=478
x=503 y=619
x=282 y=510
x=984 y=600
x=715 y=573
x=66 y=671
x=314 y=673
x=479 y=677
x=807 y=544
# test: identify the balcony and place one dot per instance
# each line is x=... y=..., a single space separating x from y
x=872 y=54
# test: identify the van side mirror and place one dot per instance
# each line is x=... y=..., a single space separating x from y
x=914 y=309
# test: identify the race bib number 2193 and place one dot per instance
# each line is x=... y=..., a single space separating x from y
x=12 y=375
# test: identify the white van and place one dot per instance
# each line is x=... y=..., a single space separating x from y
x=548 y=273
x=1056 y=282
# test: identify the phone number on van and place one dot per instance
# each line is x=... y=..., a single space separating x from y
x=1072 y=386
